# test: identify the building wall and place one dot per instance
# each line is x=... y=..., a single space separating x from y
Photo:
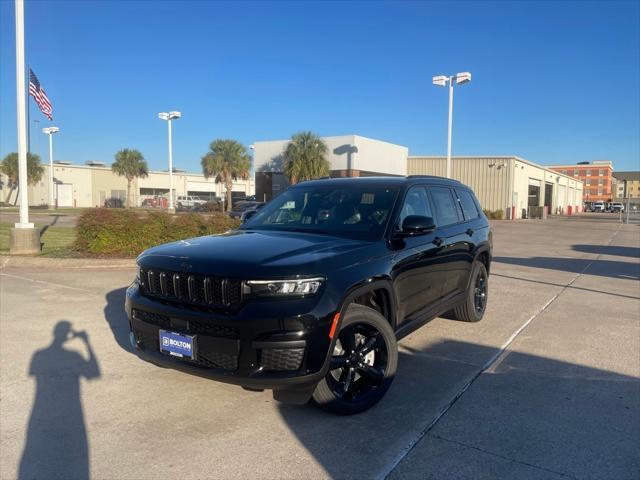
x=487 y=176
x=502 y=183
x=91 y=186
x=371 y=156
x=596 y=176
x=627 y=185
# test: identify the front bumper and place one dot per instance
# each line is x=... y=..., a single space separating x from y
x=264 y=345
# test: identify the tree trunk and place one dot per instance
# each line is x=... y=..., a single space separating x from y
x=229 y=186
x=8 y=199
x=128 y=193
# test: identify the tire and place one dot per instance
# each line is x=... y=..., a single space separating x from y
x=369 y=370
x=475 y=304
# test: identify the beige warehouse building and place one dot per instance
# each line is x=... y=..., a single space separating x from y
x=511 y=184
x=94 y=184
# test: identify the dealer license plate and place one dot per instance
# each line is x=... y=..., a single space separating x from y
x=176 y=344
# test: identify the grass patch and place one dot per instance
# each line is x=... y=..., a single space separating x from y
x=58 y=241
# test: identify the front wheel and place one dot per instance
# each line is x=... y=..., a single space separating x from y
x=363 y=363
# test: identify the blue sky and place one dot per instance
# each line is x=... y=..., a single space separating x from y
x=553 y=82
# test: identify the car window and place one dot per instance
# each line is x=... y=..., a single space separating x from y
x=416 y=202
x=468 y=205
x=445 y=206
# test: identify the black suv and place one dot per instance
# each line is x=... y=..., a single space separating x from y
x=309 y=296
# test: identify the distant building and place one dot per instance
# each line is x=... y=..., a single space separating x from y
x=510 y=184
x=627 y=185
x=348 y=156
x=94 y=185
x=597 y=177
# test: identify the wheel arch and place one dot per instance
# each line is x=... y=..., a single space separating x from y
x=380 y=291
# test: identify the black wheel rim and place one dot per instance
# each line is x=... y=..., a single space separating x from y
x=480 y=292
x=359 y=362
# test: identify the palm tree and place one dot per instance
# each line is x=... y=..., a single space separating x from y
x=305 y=157
x=9 y=167
x=226 y=160
x=130 y=164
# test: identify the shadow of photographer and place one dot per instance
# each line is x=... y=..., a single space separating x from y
x=56 y=444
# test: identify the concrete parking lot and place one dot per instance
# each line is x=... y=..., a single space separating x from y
x=546 y=386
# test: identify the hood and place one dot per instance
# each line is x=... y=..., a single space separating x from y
x=259 y=254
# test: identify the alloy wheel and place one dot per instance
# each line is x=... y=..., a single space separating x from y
x=358 y=363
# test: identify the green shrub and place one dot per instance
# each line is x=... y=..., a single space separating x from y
x=126 y=233
x=494 y=214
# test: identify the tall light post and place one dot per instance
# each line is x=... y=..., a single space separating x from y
x=169 y=117
x=442 y=81
x=50 y=131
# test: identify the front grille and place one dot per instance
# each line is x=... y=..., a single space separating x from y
x=281 y=358
x=192 y=326
x=199 y=290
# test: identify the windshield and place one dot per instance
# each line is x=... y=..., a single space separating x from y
x=354 y=212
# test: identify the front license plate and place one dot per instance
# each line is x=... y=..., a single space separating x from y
x=176 y=344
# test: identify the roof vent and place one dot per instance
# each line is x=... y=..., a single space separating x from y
x=62 y=162
x=95 y=163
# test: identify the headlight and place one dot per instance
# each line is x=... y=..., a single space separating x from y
x=137 y=273
x=279 y=288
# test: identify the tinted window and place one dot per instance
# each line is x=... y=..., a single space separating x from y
x=468 y=205
x=416 y=202
x=445 y=206
x=355 y=212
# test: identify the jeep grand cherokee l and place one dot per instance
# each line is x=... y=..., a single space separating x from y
x=310 y=295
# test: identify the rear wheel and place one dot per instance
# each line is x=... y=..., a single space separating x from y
x=363 y=363
x=472 y=309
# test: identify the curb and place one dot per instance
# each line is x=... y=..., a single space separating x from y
x=68 y=263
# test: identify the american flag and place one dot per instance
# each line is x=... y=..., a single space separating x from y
x=37 y=92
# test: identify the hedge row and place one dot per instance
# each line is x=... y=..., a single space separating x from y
x=494 y=214
x=126 y=233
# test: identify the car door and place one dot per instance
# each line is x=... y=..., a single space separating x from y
x=453 y=232
x=418 y=274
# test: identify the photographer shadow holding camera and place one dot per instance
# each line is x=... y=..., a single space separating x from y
x=56 y=444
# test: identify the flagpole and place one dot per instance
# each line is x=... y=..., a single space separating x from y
x=23 y=238
x=28 y=111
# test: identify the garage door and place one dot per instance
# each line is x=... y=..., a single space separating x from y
x=65 y=195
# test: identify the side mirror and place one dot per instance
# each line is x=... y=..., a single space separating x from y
x=417 y=225
x=247 y=215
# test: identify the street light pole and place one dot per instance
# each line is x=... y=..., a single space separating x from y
x=50 y=131
x=450 y=127
x=441 y=81
x=169 y=117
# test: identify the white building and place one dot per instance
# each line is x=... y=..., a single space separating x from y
x=348 y=156
x=94 y=184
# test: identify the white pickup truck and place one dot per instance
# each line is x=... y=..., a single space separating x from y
x=597 y=207
x=187 y=201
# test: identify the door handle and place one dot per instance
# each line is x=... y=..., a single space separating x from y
x=470 y=232
x=438 y=241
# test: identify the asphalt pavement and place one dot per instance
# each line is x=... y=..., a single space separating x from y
x=547 y=385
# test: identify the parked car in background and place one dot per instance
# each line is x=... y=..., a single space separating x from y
x=598 y=207
x=615 y=207
x=188 y=201
x=249 y=212
x=310 y=295
x=215 y=205
x=241 y=207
